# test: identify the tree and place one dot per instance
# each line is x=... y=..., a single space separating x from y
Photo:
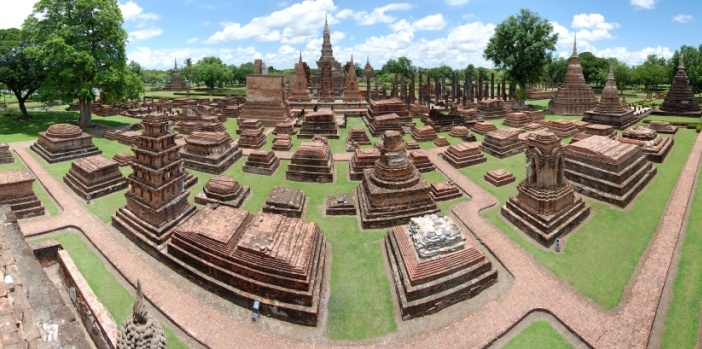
x=651 y=73
x=244 y=70
x=82 y=44
x=522 y=45
x=595 y=69
x=212 y=71
x=692 y=58
x=20 y=71
x=556 y=70
x=402 y=66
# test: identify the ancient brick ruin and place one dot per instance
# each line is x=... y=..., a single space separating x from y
x=654 y=146
x=351 y=91
x=424 y=133
x=5 y=154
x=251 y=138
x=386 y=122
x=607 y=170
x=361 y=160
x=16 y=192
x=483 y=128
x=421 y=161
x=123 y=159
x=359 y=136
x=441 y=141
x=140 y=330
x=285 y=201
x=393 y=191
x=595 y=130
x=94 y=176
x=157 y=200
x=443 y=121
x=662 y=127
x=444 y=191
x=282 y=142
x=63 y=142
x=680 y=99
x=211 y=152
x=610 y=111
x=387 y=106
x=319 y=123
x=562 y=128
x=276 y=260
x=574 y=96
x=546 y=207
x=176 y=83
x=340 y=205
x=312 y=162
x=463 y=155
x=298 y=83
x=433 y=266
x=491 y=109
x=502 y=143
x=223 y=190
x=499 y=177
x=263 y=162
x=266 y=100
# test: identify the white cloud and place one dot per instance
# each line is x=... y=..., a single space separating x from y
x=456 y=2
x=431 y=22
x=144 y=34
x=633 y=57
x=643 y=4
x=589 y=27
x=133 y=12
x=192 y=40
x=295 y=24
x=681 y=18
x=14 y=12
x=378 y=15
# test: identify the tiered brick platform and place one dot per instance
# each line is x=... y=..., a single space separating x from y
x=123 y=159
x=595 y=130
x=441 y=141
x=654 y=146
x=94 y=176
x=319 y=123
x=266 y=100
x=444 y=191
x=282 y=142
x=276 y=260
x=210 y=152
x=251 y=139
x=423 y=133
x=562 y=128
x=16 y=192
x=126 y=137
x=574 y=96
x=412 y=145
x=482 y=128
x=443 y=121
x=223 y=190
x=421 y=161
x=491 y=109
x=285 y=201
x=251 y=124
x=610 y=111
x=5 y=154
x=607 y=170
x=361 y=160
x=378 y=107
x=312 y=162
x=463 y=155
x=263 y=162
x=393 y=191
x=385 y=122
x=63 y=142
x=499 y=177
x=502 y=143
x=359 y=136
x=680 y=100
x=430 y=275
x=340 y=205
x=287 y=128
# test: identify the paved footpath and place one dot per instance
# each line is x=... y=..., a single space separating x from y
x=535 y=288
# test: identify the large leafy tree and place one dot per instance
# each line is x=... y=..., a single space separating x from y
x=595 y=69
x=652 y=72
x=242 y=71
x=82 y=44
x=402 y=66
x=212 y=71
x=20 y=71
x=522 y=45
x=693 y=65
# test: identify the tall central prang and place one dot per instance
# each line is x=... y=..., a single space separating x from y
x=327 y=56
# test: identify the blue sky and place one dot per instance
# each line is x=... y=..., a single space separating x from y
x=430 y=33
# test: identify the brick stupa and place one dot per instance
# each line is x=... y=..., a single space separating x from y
x=546 y=207
x=351 y=91
x=680 y=100
x=610 y=111
x=16 y=191
x=94 y=176
x=463 y=155
x=210 y=152
x=393 y=191
x=298 y=83
x=63 y=142
x=319 y=123
x=607 y=170
x=276 y=260
x=157 y=200
x=176 y=83
x=574 y=96
x=433 y=266
x=361 y=160
x=654 y=146
x=223 y=190
x=312 y=162
x=266 y=100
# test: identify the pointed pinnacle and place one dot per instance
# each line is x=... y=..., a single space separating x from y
x=611 y=72
x=575 y=49
x=681 y=64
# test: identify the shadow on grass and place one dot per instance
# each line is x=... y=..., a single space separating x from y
x=14 y=129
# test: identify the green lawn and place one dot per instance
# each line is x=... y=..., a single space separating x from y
x=116 y=299
x=14 y=129
x=540 y=334
x=683 y=318
x=601 y=255
x=43 y=196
